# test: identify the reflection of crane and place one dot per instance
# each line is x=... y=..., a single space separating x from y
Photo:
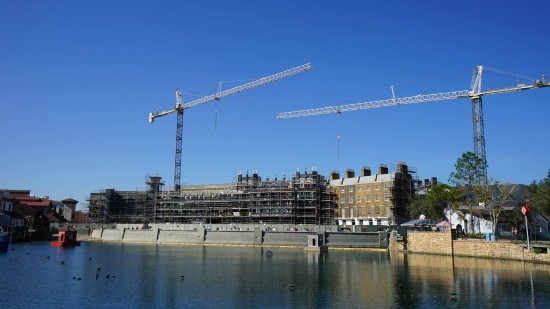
x=474 y=95
x=179 y=108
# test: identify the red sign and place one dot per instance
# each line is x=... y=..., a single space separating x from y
x=525 y=210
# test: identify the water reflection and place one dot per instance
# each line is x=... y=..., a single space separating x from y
x=149 y=276
x=476 y=282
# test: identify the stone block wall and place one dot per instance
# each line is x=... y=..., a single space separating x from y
x=429 y=242
x=440 y=243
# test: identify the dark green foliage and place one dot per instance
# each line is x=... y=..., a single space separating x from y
x=538 y=195
x=421 y=205
x=467 y=175
x=434 y=204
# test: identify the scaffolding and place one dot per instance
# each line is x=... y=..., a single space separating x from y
x=303 y=199
x=402 y=191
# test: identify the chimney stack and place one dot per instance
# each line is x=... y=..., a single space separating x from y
x=334 y=175
x=350 y=173
x=365 y=171
x=403 y=168
x=383 y=169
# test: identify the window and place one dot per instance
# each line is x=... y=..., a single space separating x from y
x=343 y=212
x=358 y=188
x=359 y=212
x=368 y=198
x=368 y=211
x=342 y=190
x=377 y=197
x=368 y=187
x=351 y=189
x=376 y=187
x=377 y=210
x=386 y=185
x=343 y=199
x=386 y=196
x=351 y=212
x=359 y=199
x=351 y=198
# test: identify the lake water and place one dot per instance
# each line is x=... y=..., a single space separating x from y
x=36 y=275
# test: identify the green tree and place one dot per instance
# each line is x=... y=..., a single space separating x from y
x=468 y=179
x=438 y=200
x=538 y=194
x=444 y=196
x=421 y=205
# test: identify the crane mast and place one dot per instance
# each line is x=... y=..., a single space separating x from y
x=180 y=107
x=475 y=95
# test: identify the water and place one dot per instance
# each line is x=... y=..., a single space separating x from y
x=36 y=275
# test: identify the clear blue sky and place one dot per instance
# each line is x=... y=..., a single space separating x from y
x=78 y=79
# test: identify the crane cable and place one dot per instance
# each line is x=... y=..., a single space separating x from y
x=509 y=74
x=217 y=105
x=338 y=136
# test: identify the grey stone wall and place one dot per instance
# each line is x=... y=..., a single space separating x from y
x=244 y=235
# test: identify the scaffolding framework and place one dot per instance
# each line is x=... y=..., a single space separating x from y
x=303 y=199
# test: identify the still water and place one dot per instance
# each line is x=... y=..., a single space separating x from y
x=36 y=275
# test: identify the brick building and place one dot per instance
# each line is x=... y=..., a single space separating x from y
x=380 y=199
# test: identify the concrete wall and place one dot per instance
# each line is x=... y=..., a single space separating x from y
x=190 y=237
x=111 y=235
x=97 y=233
x=228 y=237
x=285 y=238
x=361 y=240
x=249 y=235
x=140 y=235
x=440 y=243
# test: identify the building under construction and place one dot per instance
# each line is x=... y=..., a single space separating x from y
x=303 y=199
x=375 y=199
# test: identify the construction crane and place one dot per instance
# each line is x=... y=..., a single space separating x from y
x=475 y=95
x=180 y=107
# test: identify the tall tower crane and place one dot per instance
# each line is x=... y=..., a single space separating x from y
x=180 y=107
x=475 y=95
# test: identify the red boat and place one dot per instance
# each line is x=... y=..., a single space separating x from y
x=66 y=238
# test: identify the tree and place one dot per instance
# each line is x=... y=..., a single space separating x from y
x=468 y=178
x=495 y=198
x=433 y=204
x=421 y=205
x=538 y=194
x=445 y=198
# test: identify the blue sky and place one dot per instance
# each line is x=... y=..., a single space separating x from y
x=78 y=79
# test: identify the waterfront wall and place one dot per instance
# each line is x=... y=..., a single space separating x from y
x=429 y=242
x=247 y=237
x=442 y=243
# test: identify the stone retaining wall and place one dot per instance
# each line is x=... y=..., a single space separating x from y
x=429 y=242
x=246 y=237
x=441 y=243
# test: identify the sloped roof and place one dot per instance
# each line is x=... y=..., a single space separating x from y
x=53 y=218
x=32 y=201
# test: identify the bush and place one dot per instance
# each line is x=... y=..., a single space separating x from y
x=540 y=250
x=476 y=236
